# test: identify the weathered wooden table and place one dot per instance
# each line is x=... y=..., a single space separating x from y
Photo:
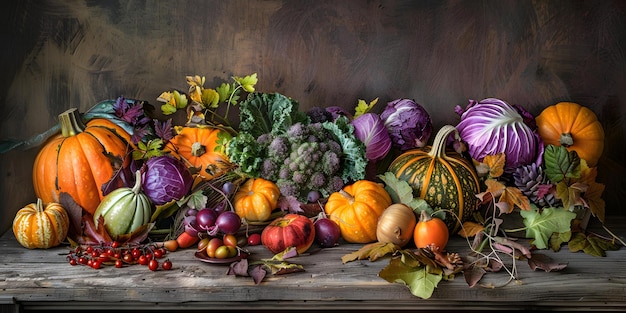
x=43 y=280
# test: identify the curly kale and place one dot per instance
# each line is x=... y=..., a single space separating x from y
x=299 y=156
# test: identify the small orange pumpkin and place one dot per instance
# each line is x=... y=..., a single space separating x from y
x=356 y=209
x=80 y=160
x=573 y=126
x=198 y=147
x=430 y=231
x=36 y=226
x=256 y=199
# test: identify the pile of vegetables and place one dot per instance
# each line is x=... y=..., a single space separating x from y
x=314 y=177
x=279 y=143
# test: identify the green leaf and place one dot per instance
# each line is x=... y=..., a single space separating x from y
x=353 y=161
x=560 y=163
x=592 y=245
x=557 y=239
x=247 y=82
x=164 y=211
x=168 y=109
x=224 y=91
x=196 y=200
x=541 y=225
x=223 y=138
x=245 y=151
x=264 y=113
x=363 y=107
x=419 y=279
x=401 y=192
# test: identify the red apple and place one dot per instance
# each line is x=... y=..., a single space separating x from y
x=291 y=230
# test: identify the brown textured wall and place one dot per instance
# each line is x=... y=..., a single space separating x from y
x=62 y=54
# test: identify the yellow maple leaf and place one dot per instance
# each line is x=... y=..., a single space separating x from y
x=363 y=107
x=512 y=196
x=496 y=164
x=494 y=187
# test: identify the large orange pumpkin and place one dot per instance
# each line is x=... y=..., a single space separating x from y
x=356 y=209
x=198 y=147
x=573 y=126
x=80 y=159
x=39 y=226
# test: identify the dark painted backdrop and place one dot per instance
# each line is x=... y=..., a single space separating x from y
x=62 y=54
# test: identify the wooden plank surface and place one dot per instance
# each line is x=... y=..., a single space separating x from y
x=38 y=279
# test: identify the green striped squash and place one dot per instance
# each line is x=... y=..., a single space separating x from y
x=445 y=180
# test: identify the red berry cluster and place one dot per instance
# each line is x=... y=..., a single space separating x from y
x=96 y=256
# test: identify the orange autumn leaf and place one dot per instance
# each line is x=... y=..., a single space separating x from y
x=470 y=229
x=595 y=201
x=494 y=187
x=512 y=196
x=496 y=164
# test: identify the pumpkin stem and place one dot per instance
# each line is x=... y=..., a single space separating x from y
x=137 y=187
x=438 y=149
x=566 y=140
x=347 y=195
x=197 y=149
x=39 y=207
x=71 y=123
x=425 y=217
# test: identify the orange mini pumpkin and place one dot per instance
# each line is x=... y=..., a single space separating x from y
x=80 y=160
x=573 y=126
x=256 y=199
x=198 y=147
x=36 y=226
x=356 y=209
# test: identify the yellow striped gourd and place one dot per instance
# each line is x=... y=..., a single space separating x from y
x=39 y=226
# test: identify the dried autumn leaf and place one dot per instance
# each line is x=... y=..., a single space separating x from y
x=372 y=251
x=238 y=268
x=257 y=273
x=571 y=195
x=473 y=274
x=496 y=164
x=514 y=197
x=544 y=262
x=470 y=229
x=593 y=195
x=557 y=239
x=591 y=244
x=494 y=187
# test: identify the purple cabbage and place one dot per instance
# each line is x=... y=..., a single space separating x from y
x=165 y=179
x=492 y=126
x=371 y=130
x=408 y=123
x=337 y=111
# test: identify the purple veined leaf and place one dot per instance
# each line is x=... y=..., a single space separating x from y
x=371 y=130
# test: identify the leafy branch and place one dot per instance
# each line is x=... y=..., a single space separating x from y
x=202 y=103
